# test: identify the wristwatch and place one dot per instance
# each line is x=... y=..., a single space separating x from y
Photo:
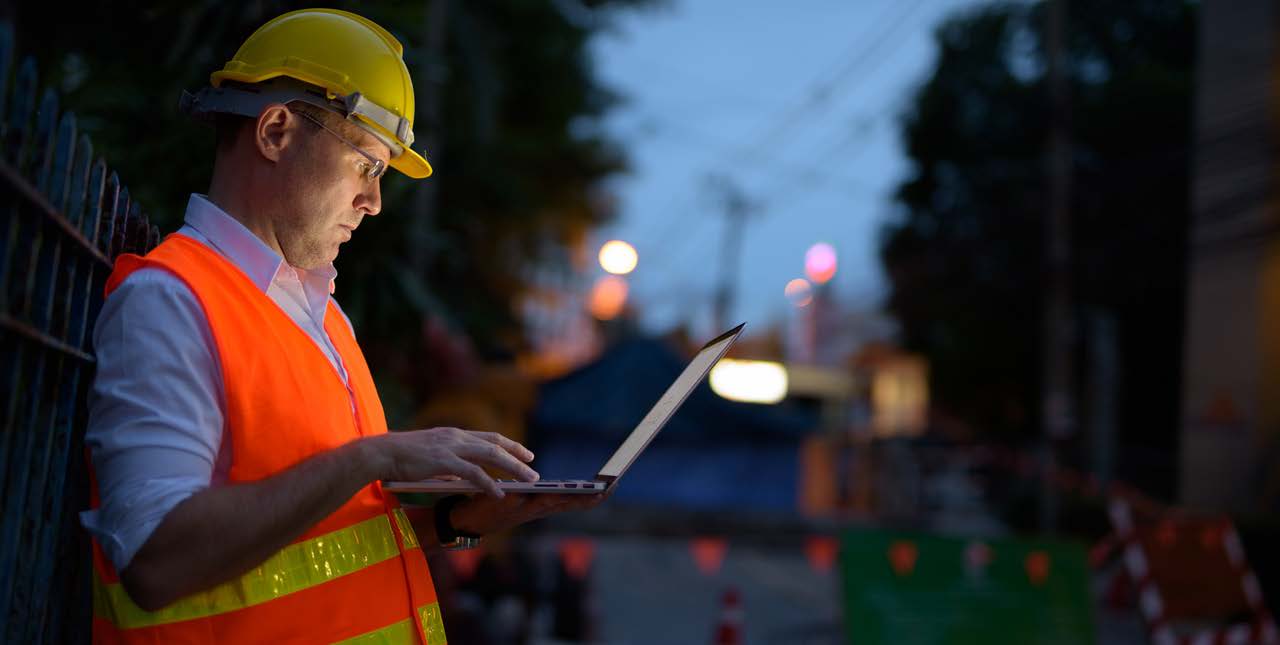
x=450 y=538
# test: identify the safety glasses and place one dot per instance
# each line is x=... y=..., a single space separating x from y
x=371 y=171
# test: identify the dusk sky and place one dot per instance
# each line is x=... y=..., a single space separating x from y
x=798 y=104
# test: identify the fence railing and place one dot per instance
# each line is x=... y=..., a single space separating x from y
x=66 y=216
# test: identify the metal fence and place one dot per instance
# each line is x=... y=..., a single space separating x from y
x=66 y=217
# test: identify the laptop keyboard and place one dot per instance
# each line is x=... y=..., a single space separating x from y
x=554 y=483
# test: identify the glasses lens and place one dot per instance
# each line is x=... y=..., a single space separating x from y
x=376 y=167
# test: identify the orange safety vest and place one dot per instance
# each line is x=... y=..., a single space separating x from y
x=360 y=573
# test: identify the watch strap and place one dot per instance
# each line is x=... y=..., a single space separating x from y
x=446 y=533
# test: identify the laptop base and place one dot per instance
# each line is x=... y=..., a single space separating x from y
x=554 y=486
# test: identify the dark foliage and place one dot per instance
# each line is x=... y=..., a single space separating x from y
x=965 y=257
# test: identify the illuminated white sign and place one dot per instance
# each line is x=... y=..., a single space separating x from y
x=749 y=381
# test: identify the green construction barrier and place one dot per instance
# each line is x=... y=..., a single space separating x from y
x=908 y=588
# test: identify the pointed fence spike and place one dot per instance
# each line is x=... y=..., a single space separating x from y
x=43 y=144
x=119 y=223
x=134 y=227
x=63 y=163
x=79 y=182
x=94 y=203
x=111 y=204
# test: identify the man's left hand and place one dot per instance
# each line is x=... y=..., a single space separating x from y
x=483 y=514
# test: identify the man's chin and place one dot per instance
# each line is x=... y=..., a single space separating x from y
x=320 y=259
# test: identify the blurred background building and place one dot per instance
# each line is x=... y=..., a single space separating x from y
x=1230 y=411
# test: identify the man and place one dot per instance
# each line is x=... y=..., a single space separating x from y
x=237 y=440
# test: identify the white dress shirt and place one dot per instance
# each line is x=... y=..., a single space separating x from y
x=156 y=407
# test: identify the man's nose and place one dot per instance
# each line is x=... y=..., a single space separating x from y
x=370 y=199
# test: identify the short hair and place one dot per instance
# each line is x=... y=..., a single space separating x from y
x=343 y=126
x=229 y=126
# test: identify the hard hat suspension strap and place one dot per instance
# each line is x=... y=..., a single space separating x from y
x=249 y=99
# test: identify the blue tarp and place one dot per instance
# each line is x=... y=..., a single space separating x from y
x=714 y=453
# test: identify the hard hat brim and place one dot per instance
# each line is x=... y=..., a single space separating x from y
x=412 y=164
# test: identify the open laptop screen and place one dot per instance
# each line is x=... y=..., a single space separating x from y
x=674 y=396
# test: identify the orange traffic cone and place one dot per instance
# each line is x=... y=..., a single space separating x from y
x=729 y=631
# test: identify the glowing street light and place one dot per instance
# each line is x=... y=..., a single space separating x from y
x=749 y=381
x=618 y=257
x=820 y=262
x=608 y=297
x=799 y=292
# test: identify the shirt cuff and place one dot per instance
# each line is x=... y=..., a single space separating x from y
x=126 y=520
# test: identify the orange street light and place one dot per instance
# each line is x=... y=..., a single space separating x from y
x=799 y=292
x=608 y=297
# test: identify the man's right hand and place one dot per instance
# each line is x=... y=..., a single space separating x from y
x=447 y=453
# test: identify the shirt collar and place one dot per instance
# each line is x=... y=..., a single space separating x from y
x=230 y=238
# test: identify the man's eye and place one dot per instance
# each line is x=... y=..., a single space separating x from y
x=366 y=169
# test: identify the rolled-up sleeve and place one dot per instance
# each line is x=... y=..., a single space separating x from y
x=155 y=409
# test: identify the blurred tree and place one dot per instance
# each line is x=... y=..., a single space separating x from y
x=507 y=104
x=965 y=256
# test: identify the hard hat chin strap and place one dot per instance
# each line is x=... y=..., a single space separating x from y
x=249 y=99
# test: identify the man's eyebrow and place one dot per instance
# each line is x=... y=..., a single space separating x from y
x=367 y=141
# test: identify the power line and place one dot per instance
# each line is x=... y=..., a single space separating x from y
x=788 y=189
x=891 y=35
x=692 y=137
x=674 y=223
x=827 y=89
x=852 y=61
x=790 y=119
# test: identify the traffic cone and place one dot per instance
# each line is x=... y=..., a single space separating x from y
x=729 y=631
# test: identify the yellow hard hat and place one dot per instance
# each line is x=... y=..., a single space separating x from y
x=331 y=58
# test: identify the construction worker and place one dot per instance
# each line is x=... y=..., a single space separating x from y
x=236 y=437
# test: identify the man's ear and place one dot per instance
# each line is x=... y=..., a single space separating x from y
x=275 y=129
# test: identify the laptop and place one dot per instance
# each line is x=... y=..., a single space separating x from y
x=623 y=457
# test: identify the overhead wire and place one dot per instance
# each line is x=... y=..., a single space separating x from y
x=854 y=61
x=851 y=61
x=783 y=190
x=890 y=35
x=671 y=245
x=826 y=90
x=849 y=58
x=689 y=136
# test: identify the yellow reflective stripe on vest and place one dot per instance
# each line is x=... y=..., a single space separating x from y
x=406 y=529
x=403 y=633
x=294 y=568
x=432 y=624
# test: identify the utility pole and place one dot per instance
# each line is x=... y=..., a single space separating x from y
x=1058 y=402
x=736 y=209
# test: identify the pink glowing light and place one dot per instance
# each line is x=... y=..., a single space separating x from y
x=820 y=262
